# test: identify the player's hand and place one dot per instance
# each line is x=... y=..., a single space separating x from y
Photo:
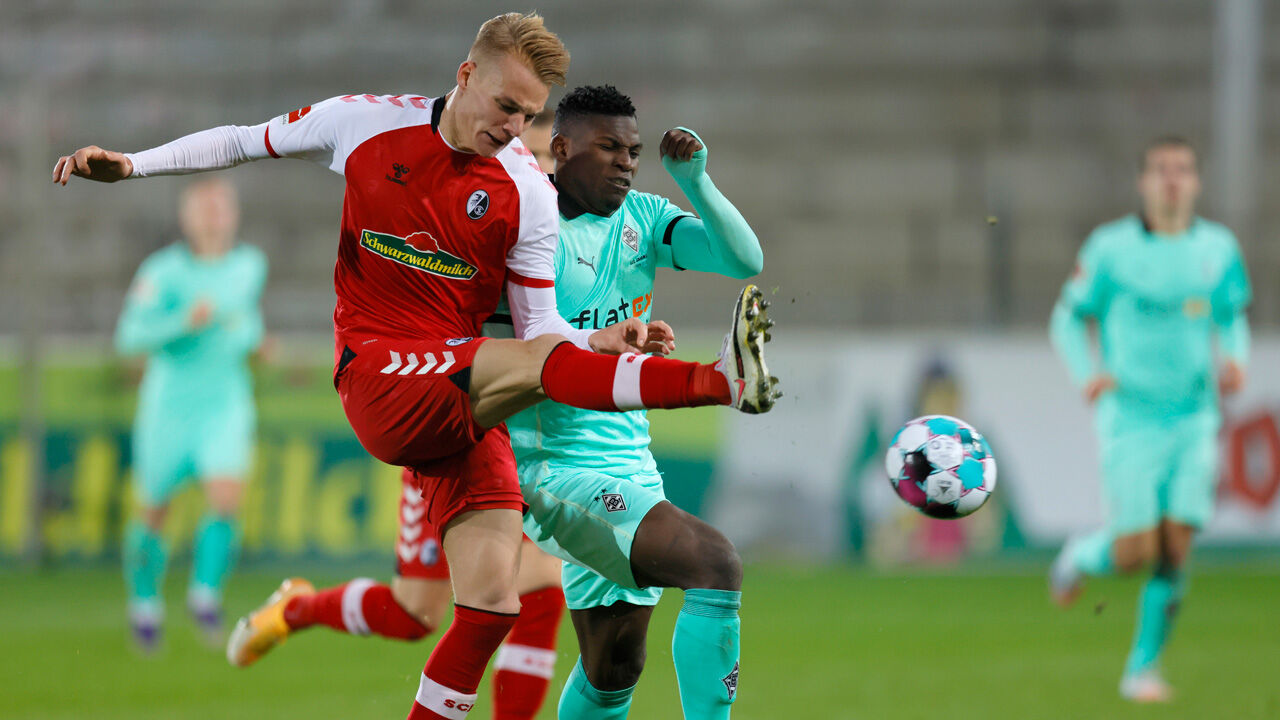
x=683 y=153
x=268 y=350
x=94 y=163
x=200 y=315
x=635 y=336
x=1097 y=386
x=1231 y=379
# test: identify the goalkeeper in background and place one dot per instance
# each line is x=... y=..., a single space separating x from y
x=193 y=311
x=1164 y=287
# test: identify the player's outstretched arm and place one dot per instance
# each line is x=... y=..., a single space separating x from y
x=719 y=240
x=93 y=163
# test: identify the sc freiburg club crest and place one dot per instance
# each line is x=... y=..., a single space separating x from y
x=477 y=204
x=419 y=251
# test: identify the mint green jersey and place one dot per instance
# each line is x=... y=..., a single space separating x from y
x=604 y=275
x=191 y=368
x=1158 y=301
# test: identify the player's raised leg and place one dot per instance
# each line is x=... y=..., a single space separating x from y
x=510 y=375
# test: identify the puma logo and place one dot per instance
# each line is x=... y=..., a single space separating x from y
x=591 y=264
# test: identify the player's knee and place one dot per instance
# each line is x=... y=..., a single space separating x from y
x=1134 y=557
x=618 y=669
x=722 y=566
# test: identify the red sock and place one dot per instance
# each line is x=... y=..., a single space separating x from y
x=360 y=607
x=527 y=659
x=576 y=377
x=447 y=689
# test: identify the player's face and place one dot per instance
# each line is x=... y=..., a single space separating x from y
x=538 y=139
x=596 y=161
x=497 y=99
x=210 y=216
x=1170 y=182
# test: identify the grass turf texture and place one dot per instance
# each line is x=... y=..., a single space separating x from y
x=821 y=644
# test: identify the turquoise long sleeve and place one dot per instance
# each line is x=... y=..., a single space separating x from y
x=1234 y=339
x=1070 y=337
x=145 y=329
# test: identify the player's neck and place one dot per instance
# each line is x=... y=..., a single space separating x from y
x=449 y=127
x=1174 y=223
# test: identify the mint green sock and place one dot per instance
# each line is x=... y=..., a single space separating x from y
x=145 y=556
x=581 y=701
x=1157 y=608
x=217 y=544
x=705 y=648
x=1091 y=554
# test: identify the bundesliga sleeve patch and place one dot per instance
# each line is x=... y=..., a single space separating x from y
x=297 y=115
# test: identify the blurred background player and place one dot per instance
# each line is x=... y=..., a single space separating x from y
x=412 y=606
x=1161 y=286
x=193 y=311
x=593 y=488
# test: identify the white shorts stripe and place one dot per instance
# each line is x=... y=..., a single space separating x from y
x=353 y=606
x=526 y=660
x=626 y=381
x=443 y=701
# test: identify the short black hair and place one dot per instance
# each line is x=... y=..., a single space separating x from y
x=1163 y=141
x=592 y=100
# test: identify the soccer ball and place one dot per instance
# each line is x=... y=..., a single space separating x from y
x=941 y=466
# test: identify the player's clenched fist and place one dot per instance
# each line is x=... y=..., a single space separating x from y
x=684 y=155
x=634 y=335
x=94 y=163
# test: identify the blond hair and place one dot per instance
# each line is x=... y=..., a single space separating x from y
x=528 y=38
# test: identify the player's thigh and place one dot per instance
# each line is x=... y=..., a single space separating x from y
x=424 y=598
x=163 y=459
x=675 y=549
x=1193 y=478
x=484 y=551
x=223 y=446
x=538 y=569
x=588 y=517
x=1136 y=550
x=506 y=377
x=1135 y=463
x=612 y=642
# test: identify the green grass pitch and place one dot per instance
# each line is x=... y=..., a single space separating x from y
x=821 y=644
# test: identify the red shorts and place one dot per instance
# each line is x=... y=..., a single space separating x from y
x=418 y=550
x=408 y=404
x=419 y=553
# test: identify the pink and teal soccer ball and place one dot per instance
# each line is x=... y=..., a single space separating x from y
x=941 y=466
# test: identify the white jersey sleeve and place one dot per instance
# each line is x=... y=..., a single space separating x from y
x=324 y=133
x=531 y=275
x=533 y=313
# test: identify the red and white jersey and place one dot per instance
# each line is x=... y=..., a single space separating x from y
x=429 y=234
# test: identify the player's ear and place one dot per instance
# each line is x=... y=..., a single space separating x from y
x=465 y=71
x=559 y=148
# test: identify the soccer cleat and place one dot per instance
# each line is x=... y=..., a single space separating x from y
x=1066 y=582
x=256 y=633
x=208 y=618
x=1146 y=687
x=146 y=635
x=751 y=388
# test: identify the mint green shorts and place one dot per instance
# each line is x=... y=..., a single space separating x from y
x=1157 y=467
x=171 y=449
x=589 y=519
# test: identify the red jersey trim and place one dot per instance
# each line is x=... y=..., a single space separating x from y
x=519 y=279
x=266 y=139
